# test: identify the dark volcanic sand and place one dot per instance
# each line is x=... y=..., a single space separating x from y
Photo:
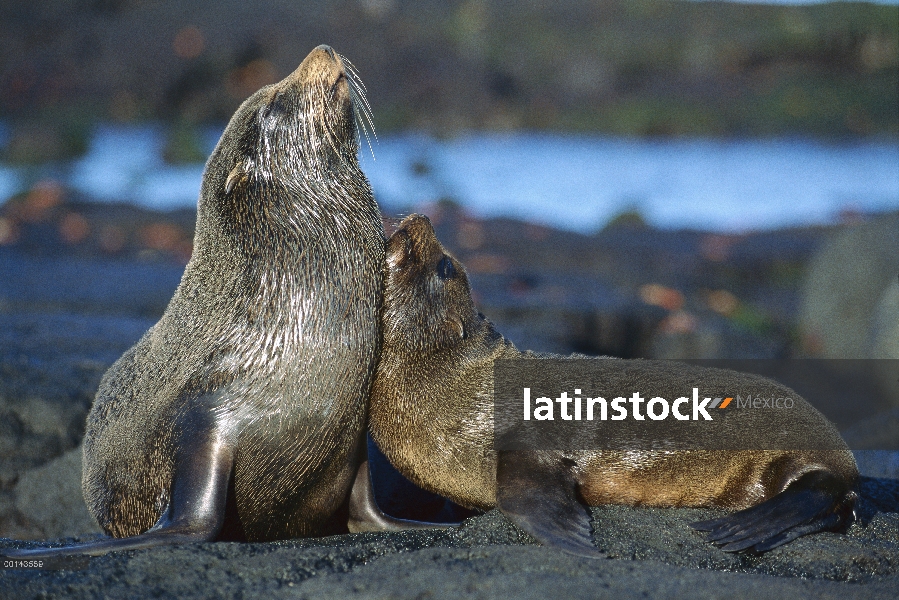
x=652 y=553
x=63 y=321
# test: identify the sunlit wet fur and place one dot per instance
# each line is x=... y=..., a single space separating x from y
x=272 y=335
x=432 y=406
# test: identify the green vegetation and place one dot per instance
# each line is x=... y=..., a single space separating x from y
x=631 y=67
x=686 y=68
x=53 y=134
x=630 y=218
x=183 y=145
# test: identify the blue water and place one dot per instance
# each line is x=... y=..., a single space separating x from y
x=579 y=183
x=800 y=1
x=572 y=182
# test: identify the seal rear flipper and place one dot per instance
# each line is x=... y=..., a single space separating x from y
x=538 y=491
x=366 y=515
x=196 y=511
x=817 y=501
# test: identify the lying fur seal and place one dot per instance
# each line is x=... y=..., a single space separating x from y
x=241 y=414
x=432 y=415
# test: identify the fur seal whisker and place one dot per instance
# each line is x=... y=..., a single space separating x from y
x=358 y=92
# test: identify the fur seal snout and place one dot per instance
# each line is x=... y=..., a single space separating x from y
x=242 y=412
x=431 y=414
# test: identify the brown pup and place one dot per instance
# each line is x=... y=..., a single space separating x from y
x=241 y=414
x=432 y=410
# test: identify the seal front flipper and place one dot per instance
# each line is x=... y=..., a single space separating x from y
x=196 y=511
x=366 y=515
x=537 y=490
x=817 y=501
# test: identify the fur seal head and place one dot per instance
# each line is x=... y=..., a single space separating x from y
x=300 y=136
x=300 y=127
x=426 y=290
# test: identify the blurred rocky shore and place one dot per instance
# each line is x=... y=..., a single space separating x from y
x=80 y=282
x=628 y=290
x=648 y=68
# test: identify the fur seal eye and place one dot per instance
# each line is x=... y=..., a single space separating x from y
x=272 y=113
x=445 y=268
x=341 y=77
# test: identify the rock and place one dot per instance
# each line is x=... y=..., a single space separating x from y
x=50 y=498
x=885 y=325
x=712 y=338
x=50 y=366
x=878 y=463
x=844 y=284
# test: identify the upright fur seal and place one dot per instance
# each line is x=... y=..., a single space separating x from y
x=241 y=414
x=431 y=414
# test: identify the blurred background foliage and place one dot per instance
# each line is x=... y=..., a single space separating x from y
x=635 y=67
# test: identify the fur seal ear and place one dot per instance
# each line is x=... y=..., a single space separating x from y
x=235 y=174
x=239 y=174
x=451 y=332
x=537 y=491
x=399 y=247
x=461 y=327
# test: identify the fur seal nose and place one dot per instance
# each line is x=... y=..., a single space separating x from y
x=322 y=64
x=327 y=50
x=415 y=236
x=418 y=225
x=420 y=230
